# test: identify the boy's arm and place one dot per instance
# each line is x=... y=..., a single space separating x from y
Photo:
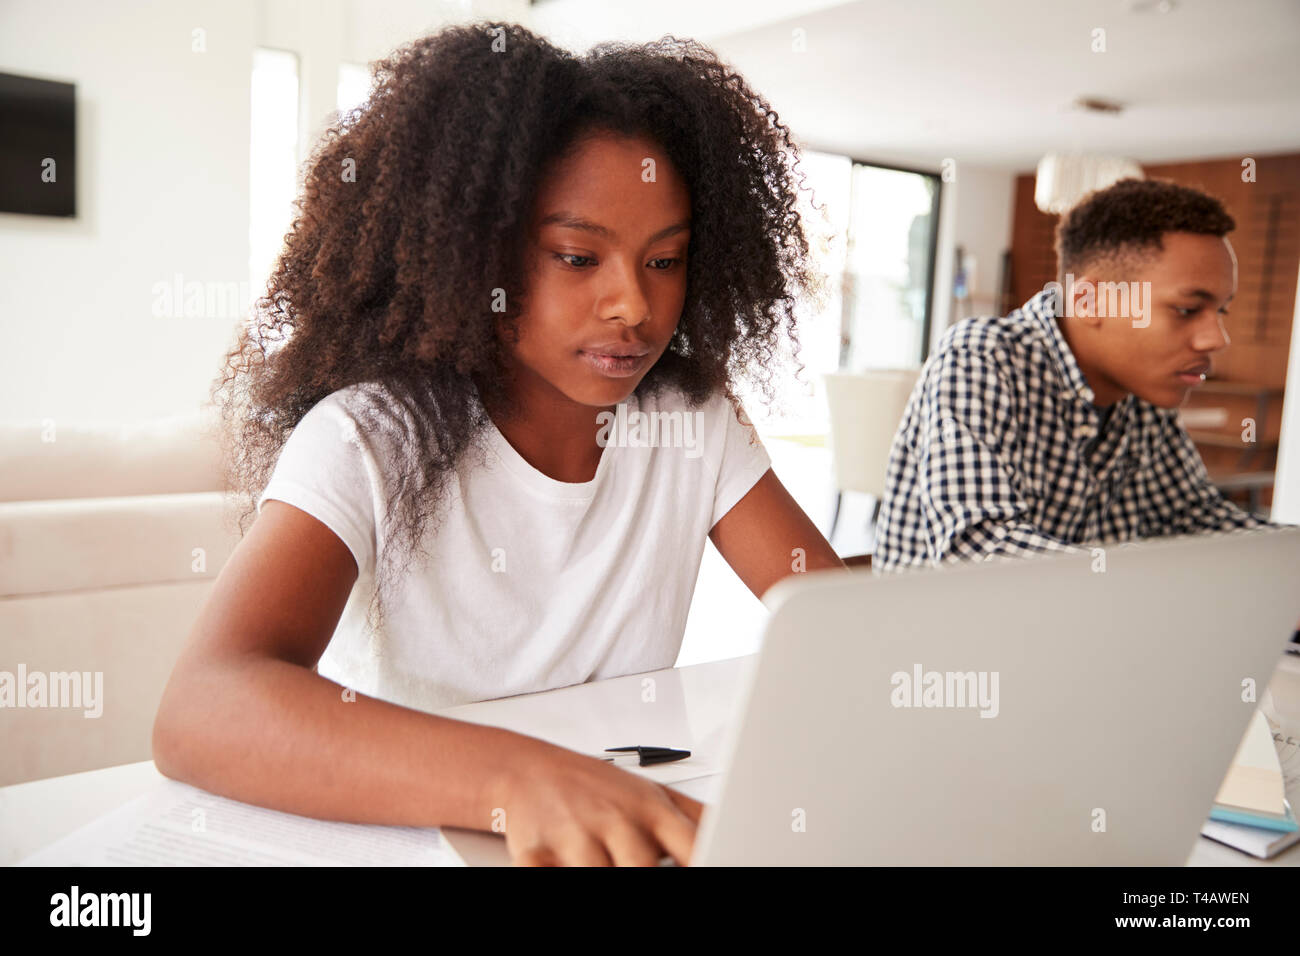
x=965 y=444
x=1183 y=498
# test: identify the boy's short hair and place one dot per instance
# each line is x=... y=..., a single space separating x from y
x=1131 y=215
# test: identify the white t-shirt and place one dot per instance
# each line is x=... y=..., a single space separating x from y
x=532 y=583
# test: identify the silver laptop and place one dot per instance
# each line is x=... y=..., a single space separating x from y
x=1071 y=710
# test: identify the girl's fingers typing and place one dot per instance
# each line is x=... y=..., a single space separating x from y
x=629 y=845
x=688 y=805
x=537 y=855
x=578 y=847
x=675 y=831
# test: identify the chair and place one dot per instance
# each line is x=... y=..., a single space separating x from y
x=865 y=409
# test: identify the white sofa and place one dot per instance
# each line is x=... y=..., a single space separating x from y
x=110 y=538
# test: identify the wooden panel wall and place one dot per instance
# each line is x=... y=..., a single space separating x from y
x=1267 y=243
x=1033 y=234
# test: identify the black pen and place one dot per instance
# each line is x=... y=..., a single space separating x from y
x=647 y=755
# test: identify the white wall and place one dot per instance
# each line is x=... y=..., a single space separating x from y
x=975 y=213
x=162 y=185
x=162 y=188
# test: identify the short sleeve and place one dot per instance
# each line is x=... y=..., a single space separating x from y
x=739 y=457
x=326 y=469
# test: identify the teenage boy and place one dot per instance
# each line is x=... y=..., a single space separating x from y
x=1056 y=426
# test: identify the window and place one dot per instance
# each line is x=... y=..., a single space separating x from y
x=888 y=273
x=273 y=166
x=354 y=86
x=874 y=237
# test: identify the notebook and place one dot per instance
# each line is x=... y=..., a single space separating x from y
x=1253 y=793
x=1253 y=810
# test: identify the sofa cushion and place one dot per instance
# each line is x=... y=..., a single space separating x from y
x=76 y=544
x=58 y=459
x=132 y=636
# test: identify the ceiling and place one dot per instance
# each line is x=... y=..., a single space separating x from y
x=992 y=82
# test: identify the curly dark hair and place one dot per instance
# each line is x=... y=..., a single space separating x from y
x=389 y=278
x=1130 y=216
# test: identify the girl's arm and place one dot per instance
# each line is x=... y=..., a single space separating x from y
x=766 y=537
x=245 y=716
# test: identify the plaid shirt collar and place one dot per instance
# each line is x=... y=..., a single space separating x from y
x=1041 y=310
x=1120 y=444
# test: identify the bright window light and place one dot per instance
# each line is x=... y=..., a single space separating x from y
x=354 y=86
x=273 y=167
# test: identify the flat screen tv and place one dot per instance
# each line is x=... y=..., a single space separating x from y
x=38 y=146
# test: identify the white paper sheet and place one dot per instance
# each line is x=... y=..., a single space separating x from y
x=704 y=789
x=175 y=824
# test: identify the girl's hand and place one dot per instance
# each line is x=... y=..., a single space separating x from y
x=563 y=808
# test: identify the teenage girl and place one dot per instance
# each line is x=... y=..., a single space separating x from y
x=502 y=247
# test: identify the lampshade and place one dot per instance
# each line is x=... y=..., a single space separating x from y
x=1065 y=178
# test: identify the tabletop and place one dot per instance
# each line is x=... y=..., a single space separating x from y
x=686 y=707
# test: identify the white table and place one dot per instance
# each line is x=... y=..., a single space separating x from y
x=686 y=707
